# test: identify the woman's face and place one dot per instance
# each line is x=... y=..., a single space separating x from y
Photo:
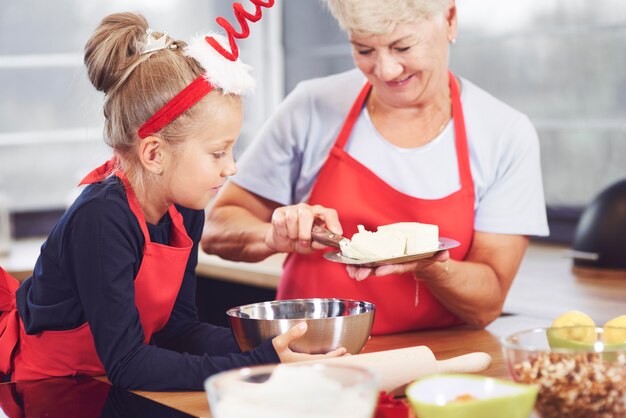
x=408 y=66
x=201 y=164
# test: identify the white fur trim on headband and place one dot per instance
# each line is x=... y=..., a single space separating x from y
x=231 y=76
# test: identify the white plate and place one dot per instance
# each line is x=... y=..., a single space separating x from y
x=337 y=257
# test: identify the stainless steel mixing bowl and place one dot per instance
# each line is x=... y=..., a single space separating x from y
x=332 y=323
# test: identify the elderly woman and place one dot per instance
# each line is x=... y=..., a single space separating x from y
x=400 y=138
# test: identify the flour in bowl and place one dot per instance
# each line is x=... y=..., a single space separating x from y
x=303 y=392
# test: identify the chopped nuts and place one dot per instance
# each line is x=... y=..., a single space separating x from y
x=581 y=385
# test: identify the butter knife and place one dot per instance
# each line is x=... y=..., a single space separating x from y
x=326 y=237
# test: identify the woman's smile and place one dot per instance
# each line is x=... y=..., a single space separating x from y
x=399 y=83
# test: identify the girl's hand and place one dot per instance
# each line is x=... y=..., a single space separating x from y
x=290 y=229
x=286 y=355
x=428 y=268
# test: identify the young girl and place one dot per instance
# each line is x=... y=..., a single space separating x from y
x=113 y=289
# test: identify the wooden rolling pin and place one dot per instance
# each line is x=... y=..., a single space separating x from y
x=397 y=368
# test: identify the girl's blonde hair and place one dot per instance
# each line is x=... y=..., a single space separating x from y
x=380 y=17
x=137 y=85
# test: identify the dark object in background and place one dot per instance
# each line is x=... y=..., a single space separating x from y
x=600 y=240
x=215 y=296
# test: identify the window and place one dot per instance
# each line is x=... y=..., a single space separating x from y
x=562 y=63
x=51 y=122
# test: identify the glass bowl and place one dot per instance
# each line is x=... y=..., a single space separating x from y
x=303 y=390
x=332 y=323
x=580 y=371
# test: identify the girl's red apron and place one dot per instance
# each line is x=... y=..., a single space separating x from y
x=72 y=352
x=361 y=197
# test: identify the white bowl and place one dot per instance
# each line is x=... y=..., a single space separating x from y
x=302 y=390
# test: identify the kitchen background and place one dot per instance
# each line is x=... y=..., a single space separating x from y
x=563 y=62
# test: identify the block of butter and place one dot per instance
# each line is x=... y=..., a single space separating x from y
x=375 y=245
x=394 y=240
x=419 y=237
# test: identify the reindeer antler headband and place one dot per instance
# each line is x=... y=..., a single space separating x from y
x=223 y=69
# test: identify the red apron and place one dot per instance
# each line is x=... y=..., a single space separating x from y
x=72 y=352
x=361 y=197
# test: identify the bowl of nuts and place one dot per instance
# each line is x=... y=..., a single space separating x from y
x=580 y=370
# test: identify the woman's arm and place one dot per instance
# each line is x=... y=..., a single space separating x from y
x=236 y=225
x=473 y=289
x=243 y=226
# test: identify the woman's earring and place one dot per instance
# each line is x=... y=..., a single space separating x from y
x=453 y=41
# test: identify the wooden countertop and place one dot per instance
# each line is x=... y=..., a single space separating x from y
x=444 y=344
x=544 y=287
x=22 y=256
x=263 y=274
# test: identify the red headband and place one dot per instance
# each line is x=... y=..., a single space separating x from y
x=188 y=97
x=201 y=86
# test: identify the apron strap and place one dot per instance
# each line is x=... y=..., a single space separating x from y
x=100 y=173
x=355 y=111
x=460 y=135
x=109 y=168
x=135 y=207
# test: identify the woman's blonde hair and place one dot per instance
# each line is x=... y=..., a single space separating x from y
x=380 y=17
x=137 y=85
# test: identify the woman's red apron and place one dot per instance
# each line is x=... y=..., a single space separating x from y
x=361 y=197
x=72 y=352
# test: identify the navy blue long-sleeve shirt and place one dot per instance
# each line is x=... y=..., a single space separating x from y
x=85 y=273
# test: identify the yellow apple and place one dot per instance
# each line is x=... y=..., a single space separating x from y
x=574 y=326
x=615 y=331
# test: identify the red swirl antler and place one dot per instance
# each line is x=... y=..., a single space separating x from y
x=241 y=14
x=230 y=75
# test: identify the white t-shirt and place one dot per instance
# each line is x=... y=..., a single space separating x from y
x=283 y=161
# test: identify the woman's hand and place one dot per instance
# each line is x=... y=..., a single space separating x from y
x=428 y=268
x=290 y=229
x=286 y=355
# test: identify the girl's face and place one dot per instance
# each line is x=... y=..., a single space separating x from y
x=200 y=165
x=407 y=66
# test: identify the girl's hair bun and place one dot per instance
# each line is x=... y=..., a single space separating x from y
x=113 y=48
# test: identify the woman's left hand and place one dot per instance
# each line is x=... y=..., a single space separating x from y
x=491 y=263
x=424 y=268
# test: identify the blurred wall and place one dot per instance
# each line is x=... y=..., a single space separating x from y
x=562 y=62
